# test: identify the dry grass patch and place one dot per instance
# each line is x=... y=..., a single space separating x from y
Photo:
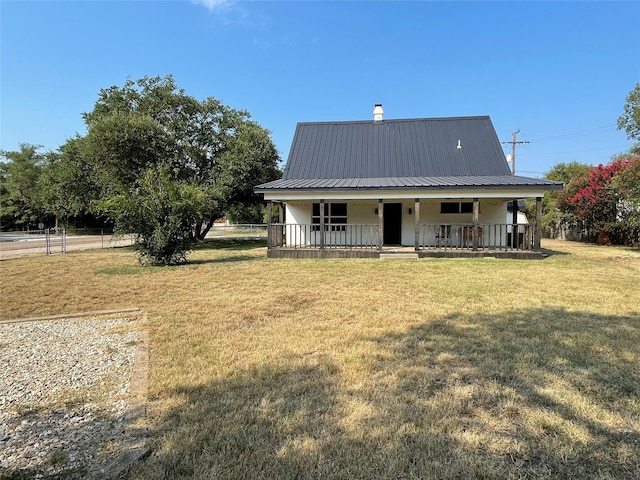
x=472 y=368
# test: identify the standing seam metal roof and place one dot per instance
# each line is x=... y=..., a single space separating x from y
x=396 y=148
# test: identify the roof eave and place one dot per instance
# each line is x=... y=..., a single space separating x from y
x=545 y=187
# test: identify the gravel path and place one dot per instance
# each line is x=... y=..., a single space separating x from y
x=63 y=395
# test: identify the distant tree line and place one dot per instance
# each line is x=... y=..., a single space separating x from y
x=154 y=161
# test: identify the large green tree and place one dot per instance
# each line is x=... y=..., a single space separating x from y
x=209 y=156
x=161 y=211
x=242 y=167
x=67 y=187
x=20 y=203
x=630 y=118
x=627 y=182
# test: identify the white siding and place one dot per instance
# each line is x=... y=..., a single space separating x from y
x=363 y=212
x=492 y=211
x=358 y=213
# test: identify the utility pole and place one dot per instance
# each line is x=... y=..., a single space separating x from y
x=513 y=143
x=515 y=240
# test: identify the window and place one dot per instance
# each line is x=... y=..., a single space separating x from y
x=450 y=207
x=335 y=217
x=466 y=207
x=456 y=207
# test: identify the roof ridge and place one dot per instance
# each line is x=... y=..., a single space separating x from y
x=397 y=120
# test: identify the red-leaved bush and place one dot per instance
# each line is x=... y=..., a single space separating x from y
x=609 y=198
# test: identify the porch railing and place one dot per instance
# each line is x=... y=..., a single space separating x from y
x=350 y=236
x=488 y=236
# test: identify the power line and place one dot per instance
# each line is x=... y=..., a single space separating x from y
x=576 y=134
x=514 y=143
x=588 y=150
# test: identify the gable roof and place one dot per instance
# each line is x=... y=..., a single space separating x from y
x=396 y=148
x=396 y=154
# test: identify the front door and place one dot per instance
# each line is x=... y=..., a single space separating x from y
x=392 y=223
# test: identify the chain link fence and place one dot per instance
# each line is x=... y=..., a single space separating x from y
x=238 y=230
x=51 y=241
x=14 y=244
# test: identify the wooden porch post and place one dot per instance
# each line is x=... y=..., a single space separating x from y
x=416 y=219
x=321 y=224
x=269 y=233
x=476 y=213
x=281 y=226
x=538 y=234
x=514 y=223
x=380 y=226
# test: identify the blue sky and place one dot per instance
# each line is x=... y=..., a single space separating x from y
x=558 y=71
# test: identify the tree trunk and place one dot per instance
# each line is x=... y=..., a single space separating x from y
x=196 y=230
x=201 y=234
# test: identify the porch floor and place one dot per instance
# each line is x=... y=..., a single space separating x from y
x=391 y=251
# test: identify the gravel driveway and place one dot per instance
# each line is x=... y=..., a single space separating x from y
x=64 y=395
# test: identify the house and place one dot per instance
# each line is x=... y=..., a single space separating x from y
x=433 y=186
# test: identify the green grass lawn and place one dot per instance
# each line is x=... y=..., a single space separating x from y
x=434 y=369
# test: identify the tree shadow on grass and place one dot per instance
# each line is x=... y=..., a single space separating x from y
x=225 y=259
x=279 y=423
x=232 y=244
x=542 y=393
x=548 y=252
x=229 y=245
x=149 y=269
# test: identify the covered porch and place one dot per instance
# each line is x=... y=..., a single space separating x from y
x=399 y=229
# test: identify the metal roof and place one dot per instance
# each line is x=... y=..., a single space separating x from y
x=424 y=153
x=396 y=148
